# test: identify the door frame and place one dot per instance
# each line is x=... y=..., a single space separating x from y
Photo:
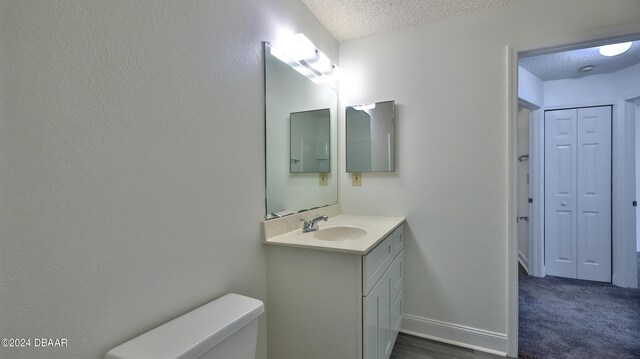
x=624 y=252
x=575 y=41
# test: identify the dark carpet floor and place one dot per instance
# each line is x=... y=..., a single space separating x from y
x=570 y=318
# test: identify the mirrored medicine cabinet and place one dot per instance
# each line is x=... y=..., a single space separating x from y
x=370 y=137
x=310 y=141
x=301 y=140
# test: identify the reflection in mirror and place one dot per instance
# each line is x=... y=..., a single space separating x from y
x=288 y=96
x=370 y=134
x=310 y=141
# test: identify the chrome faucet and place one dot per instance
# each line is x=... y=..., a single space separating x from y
x=312 y=224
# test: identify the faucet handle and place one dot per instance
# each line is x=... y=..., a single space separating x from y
x=311 y=224
x=306 y=225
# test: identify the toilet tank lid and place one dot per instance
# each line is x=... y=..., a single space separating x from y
x=192 y=334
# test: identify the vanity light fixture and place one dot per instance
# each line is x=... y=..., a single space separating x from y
x=303 y=56
x=370 y=106
x=614 y=49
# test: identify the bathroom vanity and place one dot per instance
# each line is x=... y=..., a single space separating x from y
x=336 y=292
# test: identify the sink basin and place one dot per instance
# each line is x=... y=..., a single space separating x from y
x=339 y=233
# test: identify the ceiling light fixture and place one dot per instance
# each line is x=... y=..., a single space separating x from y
x=614 y=49
x=303 y=56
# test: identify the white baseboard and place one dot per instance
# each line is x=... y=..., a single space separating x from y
x=524 y=261
x=460 y=335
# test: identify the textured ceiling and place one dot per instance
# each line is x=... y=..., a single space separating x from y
x=566 y=65
x=349 y=19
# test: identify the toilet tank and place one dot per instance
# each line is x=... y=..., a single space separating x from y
x=224 y=328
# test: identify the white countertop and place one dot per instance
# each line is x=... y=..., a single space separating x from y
x=377 y=229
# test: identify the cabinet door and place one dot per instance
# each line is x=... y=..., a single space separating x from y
x=377 y=320
x=396 y=275
x=396 y=317
x=396 y=295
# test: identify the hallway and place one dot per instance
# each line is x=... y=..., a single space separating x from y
x=569 y=318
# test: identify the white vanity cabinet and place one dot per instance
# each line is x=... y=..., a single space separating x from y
x=326 y=303
x=382 y=296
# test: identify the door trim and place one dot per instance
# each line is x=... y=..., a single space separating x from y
x=624 y=215
x=536 y=245
x=567 y=41
x=512 y=205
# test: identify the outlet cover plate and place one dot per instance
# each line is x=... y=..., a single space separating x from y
x=324 y=179
x=356 y=179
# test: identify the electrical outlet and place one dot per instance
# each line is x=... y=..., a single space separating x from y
x=356 y=179
x=324 y=179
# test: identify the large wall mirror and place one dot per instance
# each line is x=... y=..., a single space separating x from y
x=370 y=134
x=301 y=140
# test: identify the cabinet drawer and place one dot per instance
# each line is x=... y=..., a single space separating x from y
x=396 y=274
x=398 y=240
x=376 y=263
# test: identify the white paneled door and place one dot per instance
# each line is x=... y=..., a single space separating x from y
x=578 y=193
x=561 y=172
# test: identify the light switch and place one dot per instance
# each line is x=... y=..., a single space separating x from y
x=356 y=179
x=324 y=179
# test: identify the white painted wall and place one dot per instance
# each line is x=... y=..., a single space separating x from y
x=586 y=91
x=530 y=87
x=524 y=117
x=530 y=94
x=451 y=179
x=592 y=90
x=626 y=81
x=131 y=163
